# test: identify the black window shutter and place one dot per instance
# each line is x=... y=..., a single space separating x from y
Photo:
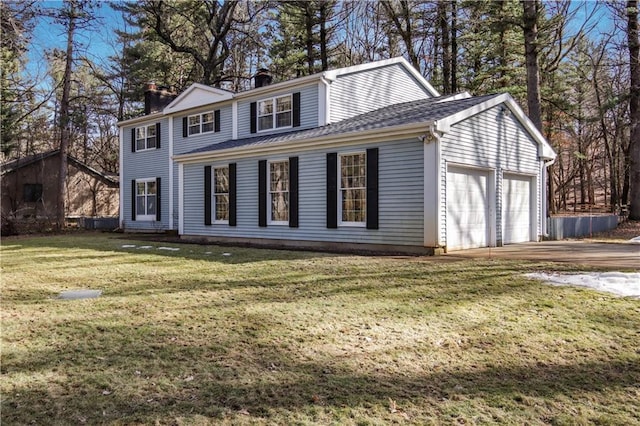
x=216 y=120
x=157 y=135
x=133 y=199
x=262 y=193
x=158 y=200
x=207 y=195
x=332 y=190
x=185 y=127
x=254 y=117
x=372 y=188
x=232 y=194
x=296 y=109
x=293 y=192
x=133 y=140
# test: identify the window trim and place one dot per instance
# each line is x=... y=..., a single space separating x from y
x=274 y=113
x=214 y=194
x=146 y=217
x=146 y=138
x=342 y=223
x=288 y=191
x=201 y=123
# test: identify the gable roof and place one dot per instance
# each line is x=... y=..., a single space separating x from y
x=195 y=96
x=14 y=165
x=394 y=120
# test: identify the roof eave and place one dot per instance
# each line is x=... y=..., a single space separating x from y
x=407 y=130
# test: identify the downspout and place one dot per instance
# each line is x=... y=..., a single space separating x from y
x=121 y=178
x=326 y=81
x=545 y=212
x=433 y=135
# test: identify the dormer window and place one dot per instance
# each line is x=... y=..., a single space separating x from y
x=275 y=113
x=201 y=123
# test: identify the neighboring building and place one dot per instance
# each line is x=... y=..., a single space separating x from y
x=366 y=157
x=30 y=188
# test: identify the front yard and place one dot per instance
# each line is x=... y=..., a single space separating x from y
x=194 y=334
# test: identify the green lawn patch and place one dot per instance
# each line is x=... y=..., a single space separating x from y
x=204 y=334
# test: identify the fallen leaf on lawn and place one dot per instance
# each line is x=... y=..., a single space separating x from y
x=106 y=392
x=244 y=412
x=188 y=379
x=392 y=406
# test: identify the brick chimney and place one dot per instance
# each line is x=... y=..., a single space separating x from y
x=156 y=98
x=262 y=78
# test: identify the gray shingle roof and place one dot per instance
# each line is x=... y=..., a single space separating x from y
x=424 y=110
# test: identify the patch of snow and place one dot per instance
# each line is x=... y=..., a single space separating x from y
x=145 y=247
x=80 y=294
x=169 y=248
x=620 y=283
x=635 y=240
x=207 y=252
x=128 y=246
x=226 y=254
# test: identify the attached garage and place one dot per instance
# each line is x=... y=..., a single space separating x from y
x=468 y=202
x=517 y=208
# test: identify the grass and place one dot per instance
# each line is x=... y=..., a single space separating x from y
x=196 y=337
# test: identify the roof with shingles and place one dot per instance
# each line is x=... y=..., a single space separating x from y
x=13 y=165
x=424 y=110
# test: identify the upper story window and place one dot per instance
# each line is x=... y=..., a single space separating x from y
x=221 y=194
x=201 y=123
x=275 y=113
x=353 y=188
x=279 y=192
x=146 y=137
x=32 y=192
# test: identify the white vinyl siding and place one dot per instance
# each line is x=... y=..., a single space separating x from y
x=400 y=170
x=360 y=92
x=492 y=141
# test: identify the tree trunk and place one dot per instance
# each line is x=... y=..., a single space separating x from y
x=324 y=54
x=65 y=135
x=530 y=21
x=634 y=109
x=454 y=46
x=446 y=53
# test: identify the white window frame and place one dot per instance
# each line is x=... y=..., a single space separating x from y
x=216 y=194
x=270 y=193
x=274 y=113
x=145 y=216
x=342 y=222
x=146 y=138
x=201 y=123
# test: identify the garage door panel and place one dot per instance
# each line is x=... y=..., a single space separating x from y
x=467 y=208
x=517 y=209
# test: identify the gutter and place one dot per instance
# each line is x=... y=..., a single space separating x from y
x=350 y=138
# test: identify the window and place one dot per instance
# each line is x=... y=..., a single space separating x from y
x=201 y=123
x=32 y=192
x=279 y=192
x=353 y=188
x=221 y=193
x=146 y=137
x=275 y=113
x=146 y=199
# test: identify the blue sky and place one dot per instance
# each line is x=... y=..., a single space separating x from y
x=98 y=41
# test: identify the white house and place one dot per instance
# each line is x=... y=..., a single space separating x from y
x=366 y=157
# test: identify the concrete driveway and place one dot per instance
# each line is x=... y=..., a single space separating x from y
x=612 y=256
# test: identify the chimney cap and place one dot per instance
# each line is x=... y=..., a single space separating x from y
x=151 y=85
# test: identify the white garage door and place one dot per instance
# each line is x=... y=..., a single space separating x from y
x=467 y=208
x=516 y=209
